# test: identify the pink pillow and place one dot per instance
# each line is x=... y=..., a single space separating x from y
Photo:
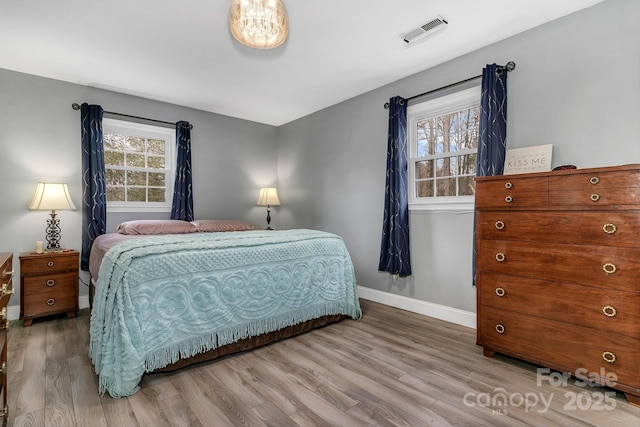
x=212 y=225
x=156 y=226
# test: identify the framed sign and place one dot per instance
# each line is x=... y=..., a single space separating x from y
x=528 y=159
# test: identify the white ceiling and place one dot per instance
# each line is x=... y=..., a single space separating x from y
x=182 y=52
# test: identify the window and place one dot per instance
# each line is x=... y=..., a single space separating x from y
x=139 y=166
x=443 y=146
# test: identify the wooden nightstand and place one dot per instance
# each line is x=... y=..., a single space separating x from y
x=48 y=284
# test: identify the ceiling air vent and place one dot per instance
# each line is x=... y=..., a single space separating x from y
x=425 y=31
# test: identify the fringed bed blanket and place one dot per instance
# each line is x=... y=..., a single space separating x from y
x=167 y=297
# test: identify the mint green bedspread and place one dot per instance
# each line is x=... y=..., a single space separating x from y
x=167 y=297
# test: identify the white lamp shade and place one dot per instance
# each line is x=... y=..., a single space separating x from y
x=51 y=196
x=268 y=197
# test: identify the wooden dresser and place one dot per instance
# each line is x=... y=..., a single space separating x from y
x=6 y=290
x=558 y=271
x=48 y=284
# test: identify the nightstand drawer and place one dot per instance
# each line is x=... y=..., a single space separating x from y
x=41 y=265
x=42 y=304
x=48 y=283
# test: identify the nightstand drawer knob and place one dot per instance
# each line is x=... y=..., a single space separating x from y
x=500 y=328
x=609 y=268
x=609 y=311
x=508 y=185
x=608 y=357
x=500 y=292
x=499 y=225
x=4 y=291
x=51 y=282
x=508 y=199
x=594 y=197
x=594 y=180
x=500 y=257
x=51 y=301
x=609 y=228
x=50 y=264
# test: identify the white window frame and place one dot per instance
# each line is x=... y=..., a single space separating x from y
x=442 y=105
x=168 y=135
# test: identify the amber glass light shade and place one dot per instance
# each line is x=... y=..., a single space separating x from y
x=261 y=24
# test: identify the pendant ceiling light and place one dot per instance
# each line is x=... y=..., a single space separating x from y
x=261 y=24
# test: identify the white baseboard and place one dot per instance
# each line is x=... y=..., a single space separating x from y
x=13 y=311
x=442 y=312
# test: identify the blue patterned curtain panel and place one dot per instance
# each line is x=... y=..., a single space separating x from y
x=94 y=197
x=492 y=144
x=394 y=250
x=182 y=206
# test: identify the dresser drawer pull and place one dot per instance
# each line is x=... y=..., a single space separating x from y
x=500 y=292
x=609 y=311
x=51 y=301
x=609 y=268
x=50 y=264
x=594 y=180
x=4 y=412
x=500 y=257
x=594 y=197
x=3 y=368
x=499 y=225
x=51 y=282
x=3 y=313
x=8 y=273
x=609 y=228
x=508 y=185
x=4 y=291
x=508 y=199
x=500 y=329
x=609 y=357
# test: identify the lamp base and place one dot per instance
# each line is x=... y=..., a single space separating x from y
x=268 y=218
x=53 y=232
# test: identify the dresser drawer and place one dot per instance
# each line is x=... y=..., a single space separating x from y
x=41 y=265
x=580 y=227
x=608 y=310
x=595 y=180
x=43 y=304
x=564 y=346
x=593 y=199
x=6 y=272
x=509 y=192
x=49 y=283
x=581 y=264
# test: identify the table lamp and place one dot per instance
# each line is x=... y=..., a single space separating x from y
x=52 y=196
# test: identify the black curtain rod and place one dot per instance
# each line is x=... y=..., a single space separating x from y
x=76 y=107
x=509 y=67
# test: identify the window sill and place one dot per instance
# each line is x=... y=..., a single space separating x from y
x=447 y=204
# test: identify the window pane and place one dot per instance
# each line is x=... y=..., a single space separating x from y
x=467 y=164
x=446 y=187
x=156 y=179
x=113 y=158
x=136 y=194
x=115 y=194
x=135 y=143
x=136 y=178
x=424 y=188
x=113 y=142
x=155 y=146
x=424 y=169
x=446 y=166
x=155 y=162
x=465 y=186
x=426 y=137
x=156 y=195
x=135 y=160
x=114 y=177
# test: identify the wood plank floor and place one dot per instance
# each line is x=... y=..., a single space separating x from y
x=391 y=368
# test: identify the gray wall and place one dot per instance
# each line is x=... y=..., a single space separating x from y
x=576 y=86
x=40 y=140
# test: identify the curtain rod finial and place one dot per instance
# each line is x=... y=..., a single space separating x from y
x=75 y=106
x=510 y=66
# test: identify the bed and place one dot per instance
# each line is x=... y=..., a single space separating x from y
x=164 y=301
